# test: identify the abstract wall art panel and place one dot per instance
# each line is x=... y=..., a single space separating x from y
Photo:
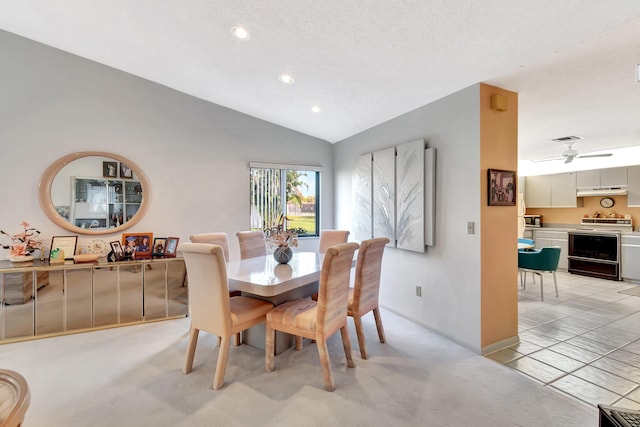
x=384 y=194
x=362 y=191
x=410 y=196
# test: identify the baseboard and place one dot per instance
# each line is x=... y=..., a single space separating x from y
x=500 y=345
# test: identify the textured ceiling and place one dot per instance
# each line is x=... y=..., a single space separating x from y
x=367 y=61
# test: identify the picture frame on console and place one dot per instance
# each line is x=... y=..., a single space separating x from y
x=501 y=186
x=137 y=245
x=171 y=247
x=159 y=245
x=66 y=244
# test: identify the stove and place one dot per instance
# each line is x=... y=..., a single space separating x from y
x=595 y=250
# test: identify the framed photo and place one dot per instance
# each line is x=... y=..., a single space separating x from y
x=159 y=245
x=502 y=187
x=137 y=245
x=110 y=169
x=116 y=248
x=66 y=244
x=125 y=171
x=171 y=247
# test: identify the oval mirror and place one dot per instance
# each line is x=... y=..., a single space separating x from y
x=94 y=192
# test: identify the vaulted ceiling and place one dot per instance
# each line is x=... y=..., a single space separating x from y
x=363 y=62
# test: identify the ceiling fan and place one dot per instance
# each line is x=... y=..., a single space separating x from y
x=570 y=153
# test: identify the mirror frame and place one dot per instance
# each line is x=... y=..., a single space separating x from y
x=46 y=201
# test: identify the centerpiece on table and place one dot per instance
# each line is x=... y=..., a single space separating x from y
x=280 y=240
x=23 y=244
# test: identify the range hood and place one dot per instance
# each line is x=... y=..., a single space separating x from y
x=618 y=190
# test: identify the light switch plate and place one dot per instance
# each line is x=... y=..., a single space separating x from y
x=470 y=227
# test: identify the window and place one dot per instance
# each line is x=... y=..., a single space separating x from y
x=297 y=187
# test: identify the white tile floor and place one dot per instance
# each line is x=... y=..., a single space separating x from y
x=584 y=343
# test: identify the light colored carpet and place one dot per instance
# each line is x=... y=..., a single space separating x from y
x=132 y=376
x=631 y=291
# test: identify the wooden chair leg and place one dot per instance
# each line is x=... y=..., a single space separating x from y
x=360 y=333
x=323 y=352
x=376 y=315
x=219 y=341
x=191 y=350
x=221 y=366
x=237 y=340
x=298 y=343
x=346 y=343
x=269 y=351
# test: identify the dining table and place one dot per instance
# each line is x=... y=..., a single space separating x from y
x=264 y=278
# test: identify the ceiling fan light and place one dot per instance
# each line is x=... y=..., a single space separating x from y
x=638 y=73
x=286 y=79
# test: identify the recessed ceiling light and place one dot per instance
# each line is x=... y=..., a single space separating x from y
x=240 y=32
x=286 y=78
x=315 y=109
x=638 y=73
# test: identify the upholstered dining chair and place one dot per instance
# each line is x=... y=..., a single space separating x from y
x=329 y=238
x=544 y=260
x=252 y=244
x=14 y=398
x=363 y=297
x=212 y=310
x=320 y=319
x=216 y=239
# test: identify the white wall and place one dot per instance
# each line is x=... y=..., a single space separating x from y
x=195 y=153
x=449 y=272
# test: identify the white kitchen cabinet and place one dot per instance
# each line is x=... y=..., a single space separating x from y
x=563 y=190
x=633 y=186
x=630 y=254
x=546 y=238
x=610 y=177
x=551 y=191
x=538 y=193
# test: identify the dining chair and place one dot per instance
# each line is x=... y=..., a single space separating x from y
x=318 y=320
x=544 y=260
x=212 y=310
x=222 y=240
x=252 y=244
x=213 y=239
x=363 y=297
x=216 y=239
x=329 y=238
x=14 y=398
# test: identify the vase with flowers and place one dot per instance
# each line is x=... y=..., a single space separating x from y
x=22 y=244
x=280 y=240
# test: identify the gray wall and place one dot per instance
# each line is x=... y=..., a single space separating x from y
x=195 y=153
x=449 y=272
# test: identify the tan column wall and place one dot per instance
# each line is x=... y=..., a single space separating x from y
x=498 y=224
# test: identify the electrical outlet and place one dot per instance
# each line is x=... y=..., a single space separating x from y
x=418 y=291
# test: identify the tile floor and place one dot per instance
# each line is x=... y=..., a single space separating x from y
x=584 y=343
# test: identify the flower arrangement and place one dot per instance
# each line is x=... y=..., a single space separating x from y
x=277 y=234
x=23 y=243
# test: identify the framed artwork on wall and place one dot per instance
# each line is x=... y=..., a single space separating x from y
x=501 y=185
x=110 y=169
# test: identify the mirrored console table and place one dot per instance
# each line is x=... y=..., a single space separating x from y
x=39 y=300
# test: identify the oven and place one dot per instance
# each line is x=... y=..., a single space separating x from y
x=595 y=253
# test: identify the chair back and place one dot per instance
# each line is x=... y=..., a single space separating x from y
x=367 y=280
x=333 y=290
x=213 y=239
x=14 y=398
x=546 y=259
x=330 y=238
x=252 y=244
x=208 y=287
